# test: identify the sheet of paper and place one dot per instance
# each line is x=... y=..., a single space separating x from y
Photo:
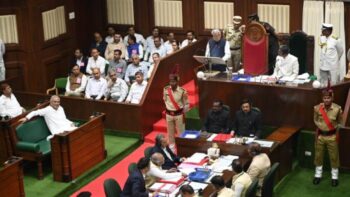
x=196 y=157
x=210 y=139
x=191 y=136
x=267 y=144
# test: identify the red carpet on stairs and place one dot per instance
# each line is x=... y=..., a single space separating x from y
x=120 y=170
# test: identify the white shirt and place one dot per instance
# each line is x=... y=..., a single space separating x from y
x=9 y=106
x=150 y=42
x=96 y=87
x=2 y=50
x=109 y=39
x=185 y=42
x=161 y=50
x=348 y=55
x=56 y=120
x=158 y=172
x=100 y=63
x=227 y=51
x=136 y=92
x=331 y=51
x=118 y=90
x=286 y=67
x=139 y=39
x=132 y=69
x=168 y=47
x=83 y=82
x=167 y=154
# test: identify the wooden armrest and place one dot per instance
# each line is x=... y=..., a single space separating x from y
x=51 y=89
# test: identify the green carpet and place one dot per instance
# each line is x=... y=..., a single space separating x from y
x=117 y=148
x=299 y=184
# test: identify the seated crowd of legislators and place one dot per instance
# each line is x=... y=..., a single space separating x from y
x=118 y=69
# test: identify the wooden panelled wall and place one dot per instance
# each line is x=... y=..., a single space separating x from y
x=42 y=61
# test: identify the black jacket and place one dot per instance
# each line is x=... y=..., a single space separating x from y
x=247 y=124
x=217 y=122
x=82 y=67
x=135 y=185
x=168 y=163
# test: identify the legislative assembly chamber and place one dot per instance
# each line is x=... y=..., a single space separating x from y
x=174 y=98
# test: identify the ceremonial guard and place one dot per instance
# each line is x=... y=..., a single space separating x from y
x=233 y=34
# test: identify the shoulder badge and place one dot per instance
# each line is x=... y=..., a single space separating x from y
x=335 y=37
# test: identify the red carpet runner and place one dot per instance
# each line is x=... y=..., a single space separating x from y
x=120 y=170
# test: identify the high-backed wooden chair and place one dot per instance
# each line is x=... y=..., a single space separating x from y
x=299 y=44
x=255 y=44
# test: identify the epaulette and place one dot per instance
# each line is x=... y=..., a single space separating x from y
x=335 y=37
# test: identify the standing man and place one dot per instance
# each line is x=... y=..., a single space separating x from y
x=327 y=118
x=2 y=64
x=218 y=47
x=331 y=51
x=176 y=104
x=233 y=35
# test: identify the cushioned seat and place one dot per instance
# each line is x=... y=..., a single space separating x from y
x=30 y=140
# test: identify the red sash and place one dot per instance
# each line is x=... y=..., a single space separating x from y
x=327 y=121
x=172 y=100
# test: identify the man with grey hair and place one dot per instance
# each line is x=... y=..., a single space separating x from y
x=117 y=89
x=218 y=47
x=97 y=86
x=156 y=172
x=54 y=116
x=2 y=64
x=133 y=68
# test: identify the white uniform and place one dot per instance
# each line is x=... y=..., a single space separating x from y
x=9 y=106
x=286 y=67
x=331 y=51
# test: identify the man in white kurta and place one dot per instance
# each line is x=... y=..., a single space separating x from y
x=137 y=89
x=54 y=116
x=9 y=105
x=287 y=65
x=331 y=51
x=96 y=61
x=96 y=87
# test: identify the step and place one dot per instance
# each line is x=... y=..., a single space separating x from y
x=190 y=87
x=160 y=125
x=150 y=138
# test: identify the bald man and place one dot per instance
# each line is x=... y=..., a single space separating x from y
x=54 y=116
x=156 y=172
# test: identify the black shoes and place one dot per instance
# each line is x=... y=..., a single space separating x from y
x=316 y=181
x=335 y=182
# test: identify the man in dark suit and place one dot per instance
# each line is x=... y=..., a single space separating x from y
x=218 y=119
x=161 y=146
x=135 y=184
x=80 y=60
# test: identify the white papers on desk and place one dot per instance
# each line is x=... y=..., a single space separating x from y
x=191 y=136
x=263 y=143
x=236 y=140
x=287 y=78
x=303 y=76
x=223 y=163
x=210 y=139
x=196 y=158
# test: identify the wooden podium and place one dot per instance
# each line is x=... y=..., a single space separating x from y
x=11 y=178
x=75 y=152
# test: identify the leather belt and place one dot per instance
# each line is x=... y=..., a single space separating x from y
x=174 y=113
x=236 y=48
x=327 y=133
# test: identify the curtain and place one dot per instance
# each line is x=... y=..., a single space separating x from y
x=335 y=15
x=312 y=22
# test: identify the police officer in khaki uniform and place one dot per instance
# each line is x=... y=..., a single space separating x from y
x=233 y=34
x=327 y=118
x=176 y=103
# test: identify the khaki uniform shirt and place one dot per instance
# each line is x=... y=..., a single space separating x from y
x=243 y=179
x=225 y=192
x=259 y=168
x=334 y=114
x=180 y=97
x=234 y=37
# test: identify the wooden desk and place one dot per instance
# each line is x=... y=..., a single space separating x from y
x=279 y=104
x=75 y=152
x=11 y=178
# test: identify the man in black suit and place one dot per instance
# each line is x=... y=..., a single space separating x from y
x=135 y=184
x=161 y=146
x=80 y=60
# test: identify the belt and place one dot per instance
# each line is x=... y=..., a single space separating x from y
x=327 y=133
x=174 y=113
x=236 y=48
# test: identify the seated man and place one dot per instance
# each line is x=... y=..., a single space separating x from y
x=110 y=34
x=139 y=38
x=80 y=60
x=247 y=121
x=9 y=105
x=187 y=191
x=156 y=172
x=150 y=39
x=218 y=47
x=117 y=90
x=190 y=38
x=170 y=38
x=156 y=59
x=96 y=61
x=54 y=116
x=161 y=146
x=133 y=48
x=133 y=68
x=259 y=166
x=241 y=180
x=116 y=44
x=99 y=44
x=287 y=65
x=117 y=64
x=157 y=47
x=96 y=86
x=76 y=82
x=218 y=119
x=135 y=184
x=137 y=89
x=220 y=189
